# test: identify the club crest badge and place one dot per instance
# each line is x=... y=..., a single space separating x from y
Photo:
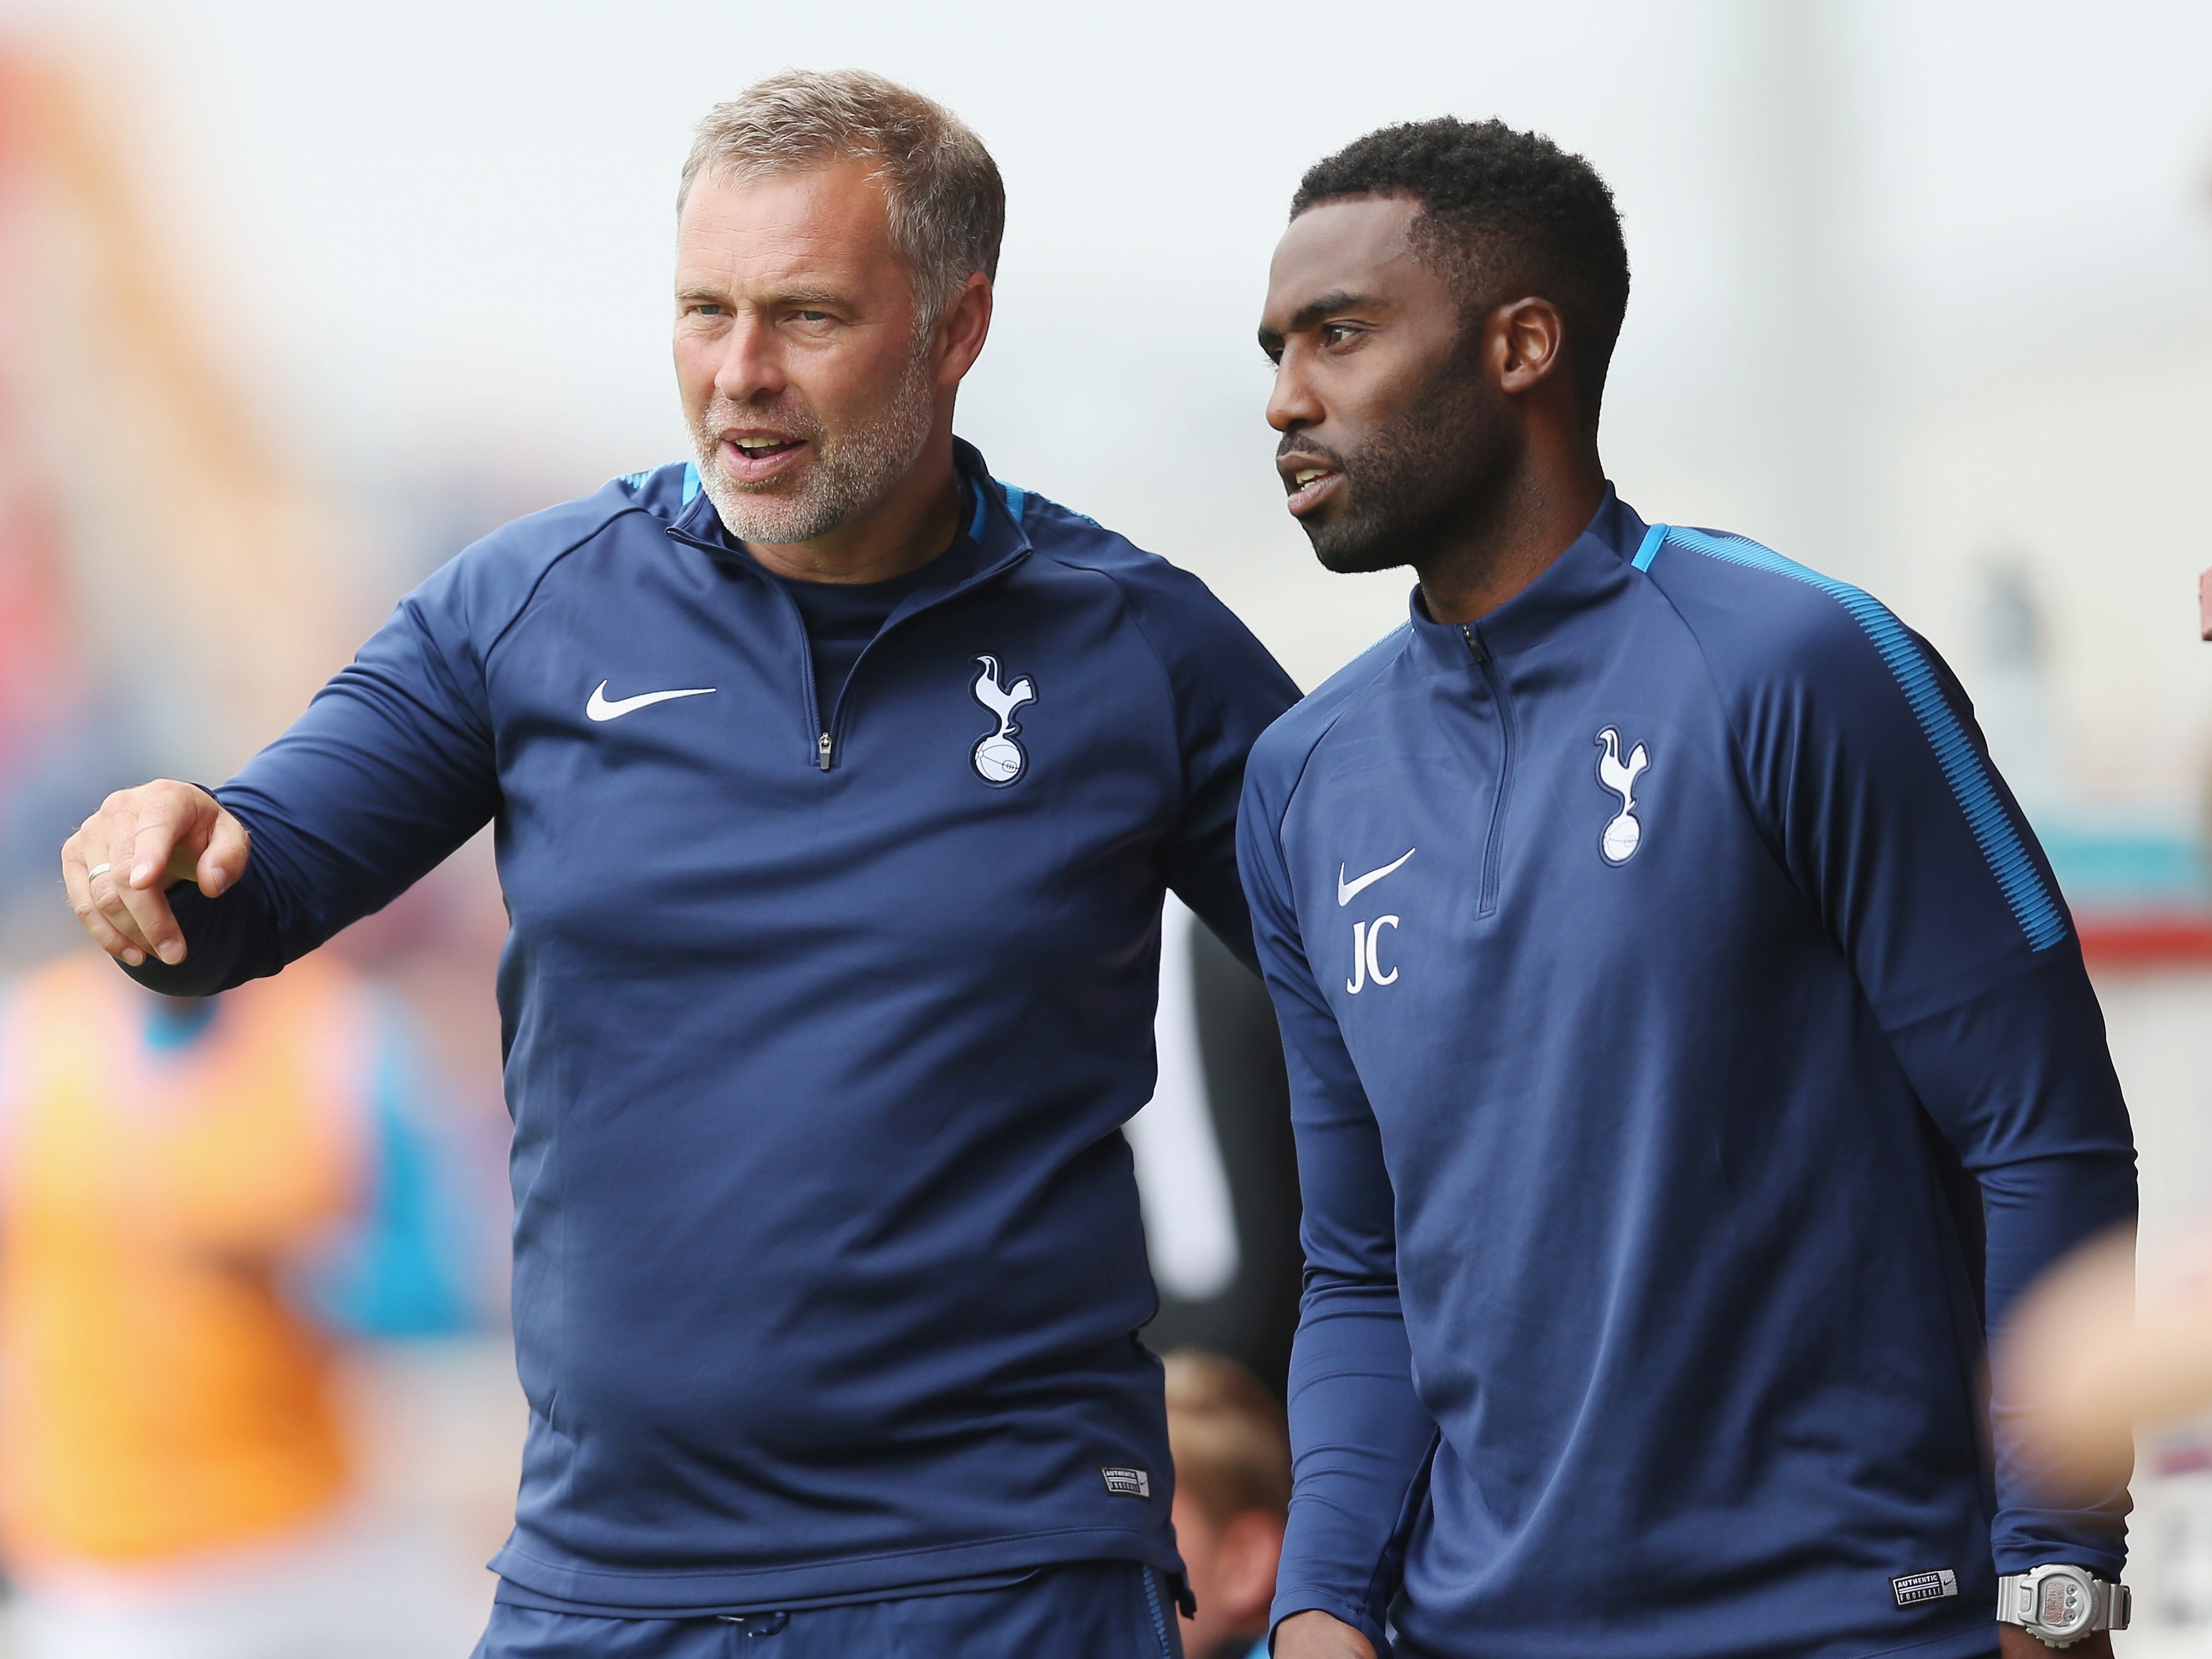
x=1625 y=832
x=998 y=759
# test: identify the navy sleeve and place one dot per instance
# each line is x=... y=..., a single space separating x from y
x=1864 y=763
x=389 y=770
x=1360 y=1438
x=1227 y=690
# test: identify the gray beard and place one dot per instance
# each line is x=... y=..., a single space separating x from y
x=852 y=472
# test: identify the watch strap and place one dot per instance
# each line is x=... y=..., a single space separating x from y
x=2110 y=1604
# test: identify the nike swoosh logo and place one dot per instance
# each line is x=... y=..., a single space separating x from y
x=599 y=709
x=1347 y=891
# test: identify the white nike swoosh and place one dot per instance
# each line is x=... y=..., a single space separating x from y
x=1347 y=891
x=599 y=709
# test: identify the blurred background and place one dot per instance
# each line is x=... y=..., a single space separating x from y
x=296 y=301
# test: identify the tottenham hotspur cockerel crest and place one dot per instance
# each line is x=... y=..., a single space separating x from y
x=1623 y=834
x=998 y=759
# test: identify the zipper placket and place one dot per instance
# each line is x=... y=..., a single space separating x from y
x=826 y=731
x=825 y=747
x=1508 y=735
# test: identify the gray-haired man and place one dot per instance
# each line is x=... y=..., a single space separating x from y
x=836 y=787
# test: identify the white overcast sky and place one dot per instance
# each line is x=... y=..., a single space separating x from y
x=436 y=236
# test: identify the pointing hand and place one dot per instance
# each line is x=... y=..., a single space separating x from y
x=119 y=866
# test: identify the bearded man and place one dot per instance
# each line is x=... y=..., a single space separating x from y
x=836 y=787
x=1690 y=1053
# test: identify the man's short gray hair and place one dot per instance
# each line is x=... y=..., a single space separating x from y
x=948 y=208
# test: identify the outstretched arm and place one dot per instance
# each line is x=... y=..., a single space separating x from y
x=390 y=769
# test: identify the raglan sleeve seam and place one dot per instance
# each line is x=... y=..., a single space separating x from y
x=474 y=685
x=1133 y=608
x=1280 y=819
x=1351 y=700
x=1759 y=813
x=1306 y=758
x=530 y=592
x=1951 y=989
x=1223 y=692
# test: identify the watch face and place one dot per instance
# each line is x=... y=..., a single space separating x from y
x=2061 y=1604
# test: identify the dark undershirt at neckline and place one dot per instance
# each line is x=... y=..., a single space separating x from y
x=842 y=617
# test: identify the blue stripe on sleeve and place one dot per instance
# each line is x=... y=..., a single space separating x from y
x=2017 y=877
x=1648 y=549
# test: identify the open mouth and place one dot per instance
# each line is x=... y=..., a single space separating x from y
x=1310 y=482
x=756 y=457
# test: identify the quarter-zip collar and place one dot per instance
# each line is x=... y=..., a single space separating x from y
x=1000 y=540
x=992 y=537
x=1593 y=568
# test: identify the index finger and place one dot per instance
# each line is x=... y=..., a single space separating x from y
x=153 y=839
x=144 y=888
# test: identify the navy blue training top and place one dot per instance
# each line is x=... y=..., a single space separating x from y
x=1669 y=988
x=822 y=1018
x=841 y=618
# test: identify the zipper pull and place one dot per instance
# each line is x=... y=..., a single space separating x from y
x=822 y=749
x=1468 y=634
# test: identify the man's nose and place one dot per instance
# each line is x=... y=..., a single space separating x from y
x=1291 y=405
x=751 y=366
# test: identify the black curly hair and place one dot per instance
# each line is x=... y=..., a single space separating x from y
x=1503 y=214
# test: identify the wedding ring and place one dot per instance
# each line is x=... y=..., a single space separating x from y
x=98 y=870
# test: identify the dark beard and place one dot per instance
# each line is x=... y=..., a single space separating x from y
x=1417 y=477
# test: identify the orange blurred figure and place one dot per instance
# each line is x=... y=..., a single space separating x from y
x=198 y=1202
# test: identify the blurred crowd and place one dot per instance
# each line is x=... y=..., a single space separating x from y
x=207 y=1209
x=237 y=1235
x=203 y=1204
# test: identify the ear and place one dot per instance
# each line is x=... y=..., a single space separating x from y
x=1525 y=341
x=961 y=331
x=1249 y=1550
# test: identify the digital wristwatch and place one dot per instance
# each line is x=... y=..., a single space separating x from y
x=2059 y=1604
